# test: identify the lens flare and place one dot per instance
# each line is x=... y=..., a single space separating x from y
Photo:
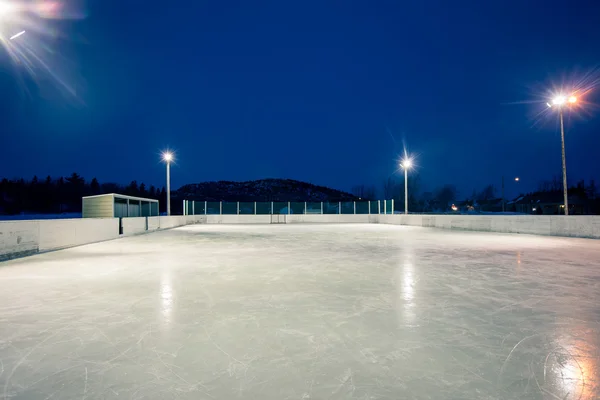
x=30 y=37
x=167 y=156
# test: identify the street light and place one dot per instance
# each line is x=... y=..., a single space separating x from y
x=560 y=102
x=167 y=157
x=10 y=12
x=406 y=164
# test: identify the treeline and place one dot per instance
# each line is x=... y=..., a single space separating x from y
x=441 y=198
x=418 y=201
x=62 y=195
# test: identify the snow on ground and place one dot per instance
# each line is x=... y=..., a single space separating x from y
x=304 y=312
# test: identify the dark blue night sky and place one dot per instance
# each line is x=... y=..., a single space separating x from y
x=322 y=91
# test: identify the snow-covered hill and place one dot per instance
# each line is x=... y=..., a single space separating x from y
x=260 y=190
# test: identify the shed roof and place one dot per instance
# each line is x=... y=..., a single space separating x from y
x=121 y=196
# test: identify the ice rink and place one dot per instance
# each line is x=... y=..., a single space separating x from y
x=304 y=312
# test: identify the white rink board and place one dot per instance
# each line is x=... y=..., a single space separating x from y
x=21 y=238
x=583 y=226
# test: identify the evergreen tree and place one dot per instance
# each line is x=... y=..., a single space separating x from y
x=163 y=200
x=591 y=190
x=132 y=189
x=94 y=187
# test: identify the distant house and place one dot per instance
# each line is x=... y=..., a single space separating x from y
x=489 y=205
x=550 y=203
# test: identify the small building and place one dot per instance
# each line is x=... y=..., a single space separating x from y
x=114 y=205
x=489 y=205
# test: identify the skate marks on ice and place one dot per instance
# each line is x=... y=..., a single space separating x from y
x=304 y=312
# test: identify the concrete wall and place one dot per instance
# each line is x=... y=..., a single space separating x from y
x=60 y=234
x=328 y=218
x=153 y=223
x=23 y=238
x=19 y=238
x=238 y=219
x=172 y=221
x=583 y=226
x=195 y=219
x=134 y=226
x=289 y=219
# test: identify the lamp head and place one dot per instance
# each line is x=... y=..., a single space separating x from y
x=406 y=163
x=167 y=156
x=560 y=100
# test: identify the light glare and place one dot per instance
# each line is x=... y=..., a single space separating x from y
x=5 y=8
x=561 y=100
x=407 y=163
x=167 y=156
x=30 y=21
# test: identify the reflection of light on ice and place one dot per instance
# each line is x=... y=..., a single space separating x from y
x=405 y=285
x=518 y=266
x=571 y=376
x=570 y=370
x=166 y=296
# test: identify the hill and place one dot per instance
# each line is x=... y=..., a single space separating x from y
x=260 y=190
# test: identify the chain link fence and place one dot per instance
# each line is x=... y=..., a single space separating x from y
x=191 y=207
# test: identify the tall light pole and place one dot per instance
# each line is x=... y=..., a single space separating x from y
x=406 y=164
x=167 y=158
x=559 y=102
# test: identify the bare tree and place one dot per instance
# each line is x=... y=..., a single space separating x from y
x=370 y=193
x=359 y=191
x=591 y=190
x=365 y=192
x=444 y=196
x=389 y=188
x=554 y=185
x=488 y=193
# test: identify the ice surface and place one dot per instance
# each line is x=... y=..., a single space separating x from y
x=304 y=312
